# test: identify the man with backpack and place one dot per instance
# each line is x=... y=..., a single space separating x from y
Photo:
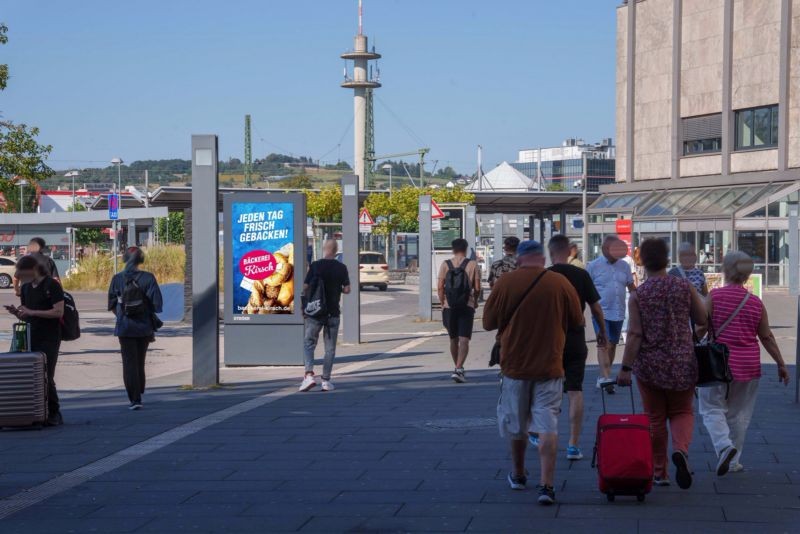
x=458 y=288
x=324 y=284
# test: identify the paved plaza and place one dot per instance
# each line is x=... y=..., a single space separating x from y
x=397 y=447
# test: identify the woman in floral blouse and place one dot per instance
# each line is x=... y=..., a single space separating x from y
x=660 y=352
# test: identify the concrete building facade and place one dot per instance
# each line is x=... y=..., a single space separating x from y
x=708 y=123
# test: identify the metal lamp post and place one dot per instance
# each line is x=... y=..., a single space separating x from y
x=115 y=226
x=585 y=187
x=389 y=168
x=72 y=174
x=22 y=183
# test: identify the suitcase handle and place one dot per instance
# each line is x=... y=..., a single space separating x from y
x=603 y=397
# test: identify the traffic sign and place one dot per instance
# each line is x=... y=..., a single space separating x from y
x=365 y=228
x=113 y=206
x=365 y=218
x=436 y=211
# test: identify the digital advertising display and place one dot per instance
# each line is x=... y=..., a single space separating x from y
x=262 y=259
x=451 y=227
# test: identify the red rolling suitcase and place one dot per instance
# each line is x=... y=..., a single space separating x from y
x=623 y=453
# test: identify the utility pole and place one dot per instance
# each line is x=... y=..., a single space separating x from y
x=585 y=229
x=146 y=188
x=248 y=154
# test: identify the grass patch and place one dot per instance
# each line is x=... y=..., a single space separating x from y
x=166 y=262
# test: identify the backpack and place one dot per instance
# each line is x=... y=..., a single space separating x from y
x=70 y=321
x=133 y=299
x=457 y=285
x=315 y=302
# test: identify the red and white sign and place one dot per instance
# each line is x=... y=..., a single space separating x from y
x=436 y=211
x=365 y=218
x=624 y=229
x=257 y=264
x=624 y=226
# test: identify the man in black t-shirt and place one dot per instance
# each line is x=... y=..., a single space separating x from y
x=335 y=277
x=36 y=248
x=575 y=351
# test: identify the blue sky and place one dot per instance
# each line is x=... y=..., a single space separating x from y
x=136 y=79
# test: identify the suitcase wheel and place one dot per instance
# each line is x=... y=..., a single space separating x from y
x=610 y=497
x=640 y=497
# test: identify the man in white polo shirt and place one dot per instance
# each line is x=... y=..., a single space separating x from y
x=611 y=277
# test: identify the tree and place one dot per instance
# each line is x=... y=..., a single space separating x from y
x=169 y=229
x=298 y=181
x=3 y=67
x=21 y=158
x=325 y=205
x=87 y=236
x=400 y=209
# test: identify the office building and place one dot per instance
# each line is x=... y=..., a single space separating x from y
x=708 y=128
x=562 y=166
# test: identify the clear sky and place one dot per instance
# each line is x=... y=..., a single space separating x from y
x=134 y=79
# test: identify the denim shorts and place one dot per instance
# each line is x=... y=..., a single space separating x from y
x=613 y=330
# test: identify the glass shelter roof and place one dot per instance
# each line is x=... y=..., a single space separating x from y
x=724 y=201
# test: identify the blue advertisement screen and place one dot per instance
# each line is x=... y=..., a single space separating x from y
x=262 y=244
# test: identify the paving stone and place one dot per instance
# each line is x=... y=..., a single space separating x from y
x=276 y=523
x=337 y=509
x=555 y=526
x=278 y=496
x=761 y=515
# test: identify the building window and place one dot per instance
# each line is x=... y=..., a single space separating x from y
x=702 y=135
x=757 y=128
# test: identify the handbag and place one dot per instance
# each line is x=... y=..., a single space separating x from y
x=494 y=357
x=712 y=356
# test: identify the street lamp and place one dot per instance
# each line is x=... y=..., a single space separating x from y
x=21 y=183
x=583 y=184
x=115 y=224
x=72 y=174
x=388 y=167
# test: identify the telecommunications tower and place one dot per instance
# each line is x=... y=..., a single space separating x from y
x=361 y=81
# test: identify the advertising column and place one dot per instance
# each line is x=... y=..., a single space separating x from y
x=264 y=270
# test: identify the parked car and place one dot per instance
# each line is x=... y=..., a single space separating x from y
x=372 y=270
x=7 y=270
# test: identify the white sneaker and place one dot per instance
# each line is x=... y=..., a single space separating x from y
x=327 y=385
x=603 y=381
x=309 y=382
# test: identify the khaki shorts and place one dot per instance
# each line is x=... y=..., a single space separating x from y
x=529 y=405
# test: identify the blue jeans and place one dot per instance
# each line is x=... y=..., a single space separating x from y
x=330 y=330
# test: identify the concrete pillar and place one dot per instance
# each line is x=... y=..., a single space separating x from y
x=205 y=273
x=351 y=304
x=131 y=232
x=498 y=237
x=520 y=227
x=425 y=251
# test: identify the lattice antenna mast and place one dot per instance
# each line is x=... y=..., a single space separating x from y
x=248 y=154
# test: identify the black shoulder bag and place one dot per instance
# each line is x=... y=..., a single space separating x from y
x=712 y=356
x=494 y=359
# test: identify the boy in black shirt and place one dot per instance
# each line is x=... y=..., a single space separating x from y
x=575 y=351
x=42 y=306
x=334 y=275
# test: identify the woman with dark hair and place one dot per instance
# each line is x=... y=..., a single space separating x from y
x=660 y=352
x=42 y=306
x=135 y=298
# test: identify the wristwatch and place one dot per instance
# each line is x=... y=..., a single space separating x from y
x=627 y=368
